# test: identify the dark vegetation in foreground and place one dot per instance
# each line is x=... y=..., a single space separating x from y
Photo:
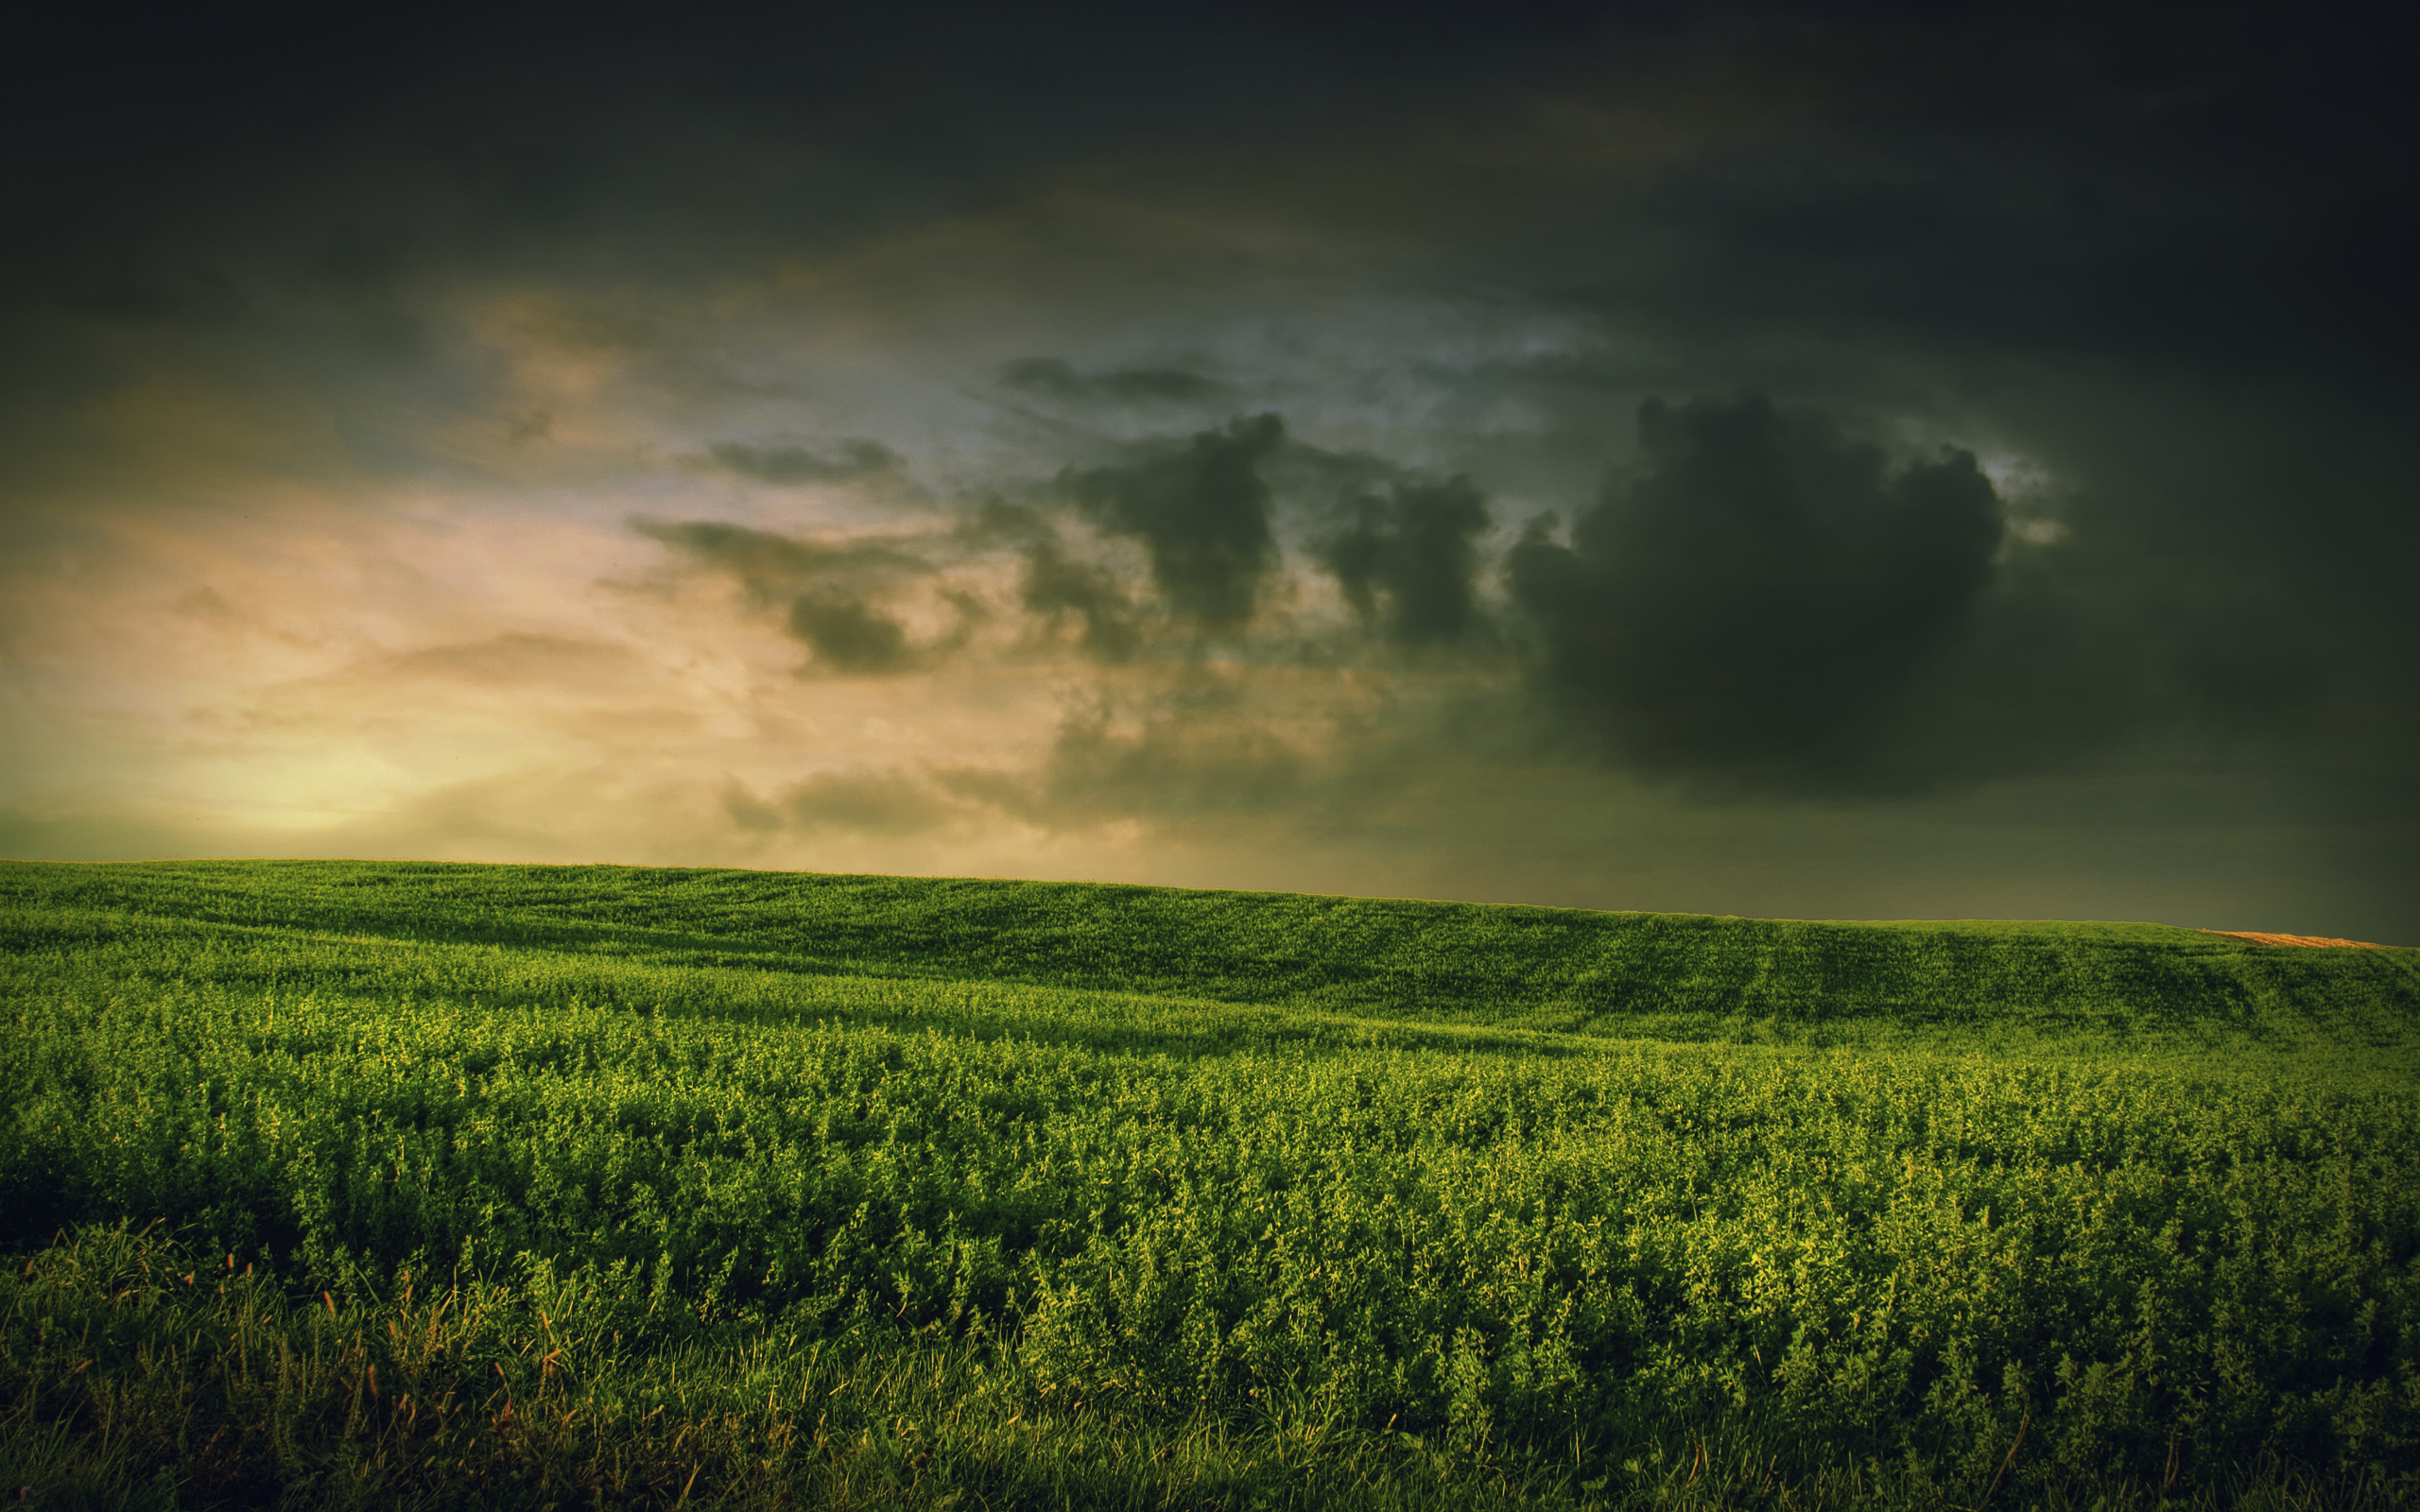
x=337 y=1184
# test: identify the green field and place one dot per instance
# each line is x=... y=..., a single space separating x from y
x=393 y=1184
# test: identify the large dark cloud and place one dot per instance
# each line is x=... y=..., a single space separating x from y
x=1202 y=512
x=1409 y=562
x=1755 y=599
x=2099 y=179
x=2099 y=183
x=184 y=166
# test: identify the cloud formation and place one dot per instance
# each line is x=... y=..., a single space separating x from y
x=1755 y=599
x=1059 y=588
x=1202 y=513
x=834 y=596
x=1409 y=563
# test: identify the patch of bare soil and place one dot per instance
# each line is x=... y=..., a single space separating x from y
x=2319 y=940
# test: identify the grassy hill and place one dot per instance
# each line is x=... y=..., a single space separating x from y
x=626 y=935
x=941 y=1192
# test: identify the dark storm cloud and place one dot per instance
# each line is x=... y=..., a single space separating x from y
x=831 y=596
x=1202 y=512
x=1056 y=587
x=184 y=166
x=1409 y=562
x=2102 y=180
x=791 y=466
x=2229 y=195
x=1758 y=597
x=1054 y=378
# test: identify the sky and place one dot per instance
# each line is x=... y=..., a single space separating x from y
x=1844 y=462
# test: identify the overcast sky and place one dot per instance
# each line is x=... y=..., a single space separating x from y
x=1896 y=461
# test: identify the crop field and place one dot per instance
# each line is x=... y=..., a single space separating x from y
x=431 y=1185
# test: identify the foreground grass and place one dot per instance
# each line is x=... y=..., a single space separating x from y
x=867 y=1225
x=143 y=1385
